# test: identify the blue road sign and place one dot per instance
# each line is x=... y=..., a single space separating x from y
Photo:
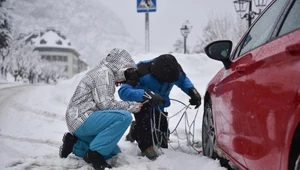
x=146 y=5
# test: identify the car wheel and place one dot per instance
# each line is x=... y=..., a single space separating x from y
x=297 y=165
x=208 y=131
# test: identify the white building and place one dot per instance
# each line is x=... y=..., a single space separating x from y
x=56 y=48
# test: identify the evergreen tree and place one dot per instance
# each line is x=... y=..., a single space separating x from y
x=4 y=26
x=5 y=37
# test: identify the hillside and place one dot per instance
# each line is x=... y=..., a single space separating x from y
x=91 y=27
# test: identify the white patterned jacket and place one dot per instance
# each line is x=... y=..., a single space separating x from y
x=95 y=91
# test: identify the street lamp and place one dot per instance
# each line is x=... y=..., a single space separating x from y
x=185 y=30
x=241 y=7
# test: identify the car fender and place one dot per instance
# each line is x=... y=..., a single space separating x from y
x=291 y=128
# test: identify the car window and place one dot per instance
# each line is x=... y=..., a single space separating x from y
x=260 y=32
x=292 y=21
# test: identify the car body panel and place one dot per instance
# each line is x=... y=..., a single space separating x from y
x=256 y=103
x=269 y=102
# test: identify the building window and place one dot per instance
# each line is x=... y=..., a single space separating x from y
x=59 y=42
x=44 y=57
x=48 y=58
x=60 y=58
x=43 y=41
x=65 y=58
x=54 y=58
x=66 y=68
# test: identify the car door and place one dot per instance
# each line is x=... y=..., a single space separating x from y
x=271 y=84
x=227 y=106
x=233 y=130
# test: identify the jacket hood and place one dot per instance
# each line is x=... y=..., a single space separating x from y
x=119 y=60
x=165 y=68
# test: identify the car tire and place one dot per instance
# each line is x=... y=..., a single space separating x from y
x=297 y=164
x=208 y=131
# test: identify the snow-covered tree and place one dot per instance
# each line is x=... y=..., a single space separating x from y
x=33 y=66
x=50 y=71
x=178 y=47
x=22 y=58
x=26 y=63
x=5 y=37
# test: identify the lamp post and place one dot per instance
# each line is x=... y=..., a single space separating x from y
x=241 y=7
x=185 y=30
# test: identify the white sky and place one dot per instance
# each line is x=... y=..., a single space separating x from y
x=32 y=123
x=165 y=23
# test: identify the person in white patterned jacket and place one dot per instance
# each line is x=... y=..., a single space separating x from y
x=96 y=121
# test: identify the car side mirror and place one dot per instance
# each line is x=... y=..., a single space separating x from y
x=220 y=50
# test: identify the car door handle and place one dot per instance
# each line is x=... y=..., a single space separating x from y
x=293 y=49
x=241 y=68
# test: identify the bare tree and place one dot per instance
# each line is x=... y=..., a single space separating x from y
x=178 y=46
x=220 y=27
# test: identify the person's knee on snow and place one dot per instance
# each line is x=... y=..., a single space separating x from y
x=68 y=143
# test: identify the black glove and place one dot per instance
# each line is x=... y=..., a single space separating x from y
x=132 y=78
x=154 y=99
x=195 y=97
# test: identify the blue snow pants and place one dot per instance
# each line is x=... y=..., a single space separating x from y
x=101 y=132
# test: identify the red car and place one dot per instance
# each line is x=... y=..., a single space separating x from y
x=252 y=105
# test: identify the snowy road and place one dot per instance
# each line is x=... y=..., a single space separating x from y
x=8 y=94
x=32 y=122
x=26 y=131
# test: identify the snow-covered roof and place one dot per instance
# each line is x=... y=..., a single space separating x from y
x=51 y=38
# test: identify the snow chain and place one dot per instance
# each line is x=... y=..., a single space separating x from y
x=189 y=129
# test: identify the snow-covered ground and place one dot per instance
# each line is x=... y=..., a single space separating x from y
x=9 y=82
x=32 y=123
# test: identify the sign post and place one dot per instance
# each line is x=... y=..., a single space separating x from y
x=146 y=6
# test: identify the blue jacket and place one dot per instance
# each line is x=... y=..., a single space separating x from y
x=148 y=82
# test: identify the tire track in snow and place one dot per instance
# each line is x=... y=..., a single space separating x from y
x=39 y=112
x=31 y=140
x=8 y=94
x=50 y=162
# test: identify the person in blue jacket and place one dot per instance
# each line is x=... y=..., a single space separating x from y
x=152 y=83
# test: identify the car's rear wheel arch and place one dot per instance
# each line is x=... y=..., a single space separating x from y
x=223 y=161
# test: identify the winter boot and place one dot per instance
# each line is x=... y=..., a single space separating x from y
x=68 y=142
x=131 y=135
x=96 y=159
x=150 y=153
